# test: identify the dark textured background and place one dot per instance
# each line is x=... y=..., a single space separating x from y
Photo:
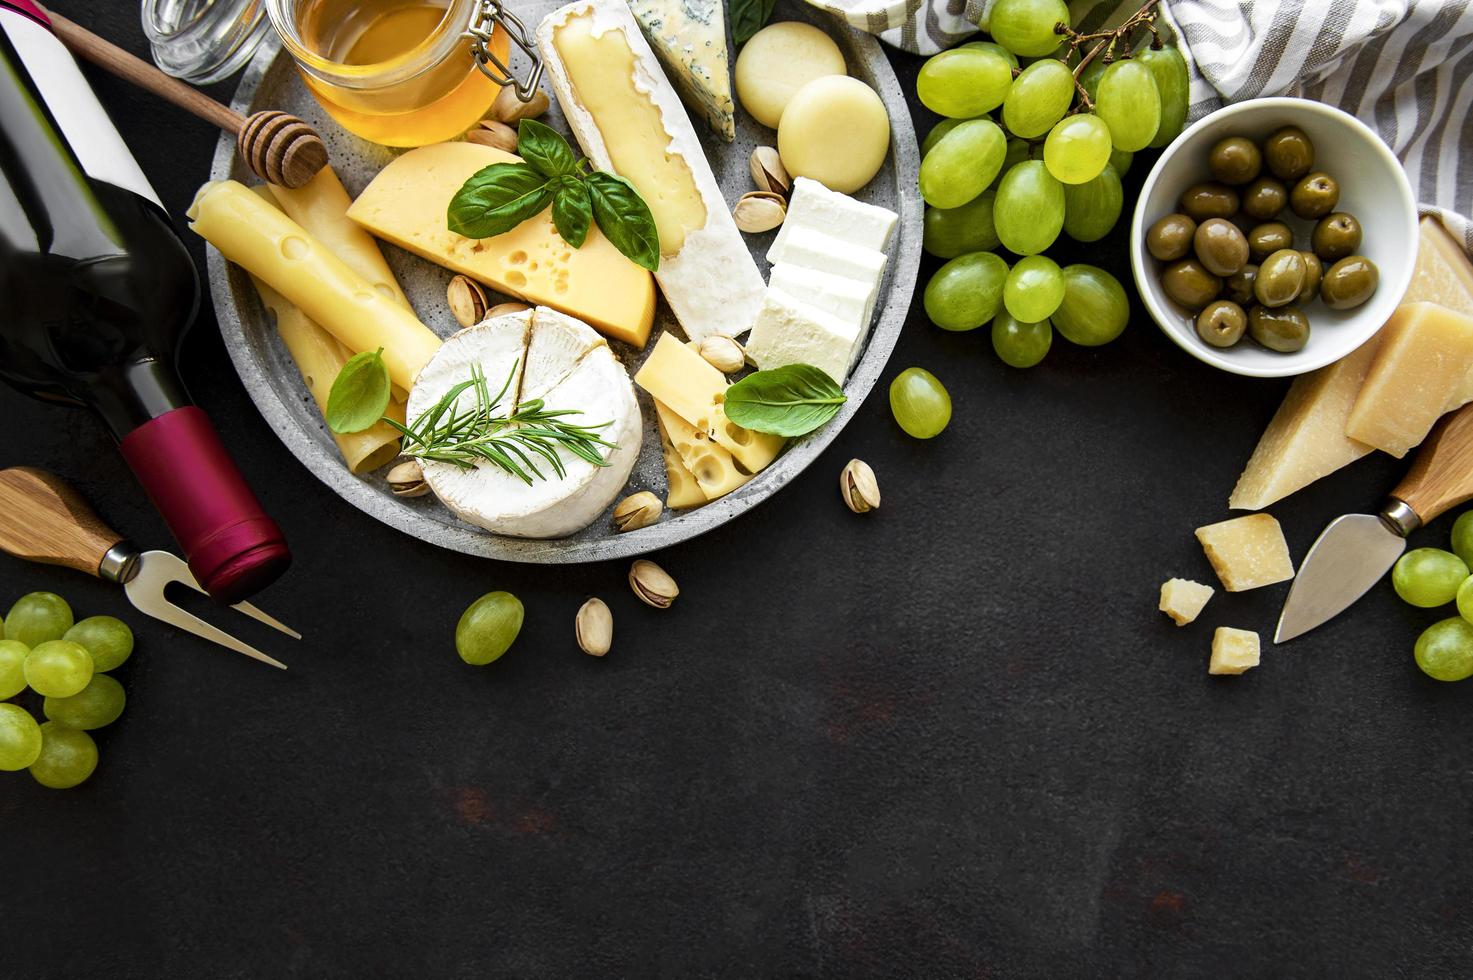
x=950 y=738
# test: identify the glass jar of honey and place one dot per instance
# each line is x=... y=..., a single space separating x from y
x=405 y=72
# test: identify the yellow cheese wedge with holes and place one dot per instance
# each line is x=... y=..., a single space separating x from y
x=683 y=490
x=715 y=471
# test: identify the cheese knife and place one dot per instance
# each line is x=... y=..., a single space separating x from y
x=1356 y=550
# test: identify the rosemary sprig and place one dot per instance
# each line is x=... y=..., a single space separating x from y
x=510 y=440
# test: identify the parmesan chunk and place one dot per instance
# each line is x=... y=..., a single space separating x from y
x=1182 y=599
x=1420 y=371
x=1443 y=274
x=1233 y=651
x=1247 y=552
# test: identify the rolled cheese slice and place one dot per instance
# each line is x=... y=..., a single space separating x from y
x=569 y=366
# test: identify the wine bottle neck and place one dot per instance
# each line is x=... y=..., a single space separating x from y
x=134 y=393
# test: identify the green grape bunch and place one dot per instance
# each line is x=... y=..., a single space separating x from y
x=1040 y=124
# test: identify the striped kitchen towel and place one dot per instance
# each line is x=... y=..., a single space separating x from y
x=1404 y=67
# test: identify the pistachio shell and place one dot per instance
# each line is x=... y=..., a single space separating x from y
x=407 y=479
x=510 y=110
x=859 y=488
x=652 y=584
x=467 y=300
x=495 y=134
x=759 y=211
x=768 y=172
x=594 y=627
x=723 y=353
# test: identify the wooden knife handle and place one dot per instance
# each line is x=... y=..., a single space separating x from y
x=1441 y=477
x=42 y=519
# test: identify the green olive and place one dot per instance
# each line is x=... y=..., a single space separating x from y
x=1265 y=198
x=1189 y=284
x=1284 y=329
x=1314 y=271
x=1288 y=153
x=1239 y=286
x=1268 y=238
x=1315 y=195
x=1349 y=282
x=1280 y=278
x=1202 y=201
x=1234 y=160
x=488 y=627
x=1170 y=238
x=1221 y=247
x=1222 y=323
x=1335 y=236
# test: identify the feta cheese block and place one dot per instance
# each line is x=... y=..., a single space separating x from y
x=1419 y=373
x=584 y=377
x=1247 y=552
x=813 y=249
x=1182 y=599
x=815 y=207
x=689 y=38
x=788 y=331
x=851 y=300
x=1233 y=651
x=630 y=122
x=406 y=203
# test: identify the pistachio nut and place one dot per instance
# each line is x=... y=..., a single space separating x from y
x=636 y=511
x=502 y=309
x=495 y=134
x=723 y=353
x=407 y=479
x=652 y=584
x=768 y=172
x=857 y=485
x=510 y=110
x=467 y=300
x=594 y=627
x=759 y=211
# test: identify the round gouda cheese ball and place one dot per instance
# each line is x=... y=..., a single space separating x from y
x=834 y=131
x=778 y=61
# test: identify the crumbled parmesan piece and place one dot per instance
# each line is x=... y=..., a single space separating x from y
x=1247 y=552
x=1182 y=599
x=1233 y=651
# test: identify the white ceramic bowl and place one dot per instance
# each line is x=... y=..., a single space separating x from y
x=1373 y=187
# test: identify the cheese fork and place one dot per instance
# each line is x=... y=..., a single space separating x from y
x=42 y=519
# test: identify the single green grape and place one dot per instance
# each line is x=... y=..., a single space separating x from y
x=1169 y=70
x=1019 y=344
x=920 y=403
x=1465 y=599
x=1029 y=210
x=1077 y=149
x=20 y=738
x=1034 y=289
x=965 y=292
x=12 y=668
x=67 y=758
x=1121 y=160
x=963 y=83
x=950 y=232
x=98 y=704
x=58 y=668
x=1039 y=98
x=962 y=163
x=1129 y=104
x=108 y=639
x=38 y=617
x=937 y=131
x=1445 y=650
x=1095 y=309
x=1026 y=27
x=488 y=627
x=1428 y=577
x=994 y=47
x=1463 y=537
x=1092 y=208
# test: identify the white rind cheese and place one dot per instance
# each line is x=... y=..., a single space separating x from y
x=689 y=37
x=583 y=376
x=712 y=283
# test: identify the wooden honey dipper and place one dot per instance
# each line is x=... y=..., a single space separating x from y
x=277 y=147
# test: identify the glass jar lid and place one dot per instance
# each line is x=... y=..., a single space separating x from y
x=203 y=41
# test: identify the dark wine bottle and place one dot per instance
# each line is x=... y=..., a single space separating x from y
x=96 y=292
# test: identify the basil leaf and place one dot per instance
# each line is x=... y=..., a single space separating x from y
x=571 y=212
x=624 y=218
x=748 y=17
x=496 y=199
x=787 y=401
x=547 y=152
x=360 y=393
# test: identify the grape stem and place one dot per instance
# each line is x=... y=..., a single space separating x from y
x=1107 y=40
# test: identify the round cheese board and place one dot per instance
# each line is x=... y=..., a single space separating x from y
x=270 y=377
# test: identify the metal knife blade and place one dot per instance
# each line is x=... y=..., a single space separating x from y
x=1350 y=556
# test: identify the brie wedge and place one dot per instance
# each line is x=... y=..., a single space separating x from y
x=538 y=354
x=630 y=122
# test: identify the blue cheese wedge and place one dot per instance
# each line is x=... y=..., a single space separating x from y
x=629 y=121
x=790 y=331
x=689 y=38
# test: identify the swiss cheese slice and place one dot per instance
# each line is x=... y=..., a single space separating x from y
x=630 y=122
x=689 y=36
x=406 y=204
x=682 y=489
x=1420 y=371
x=715 y=472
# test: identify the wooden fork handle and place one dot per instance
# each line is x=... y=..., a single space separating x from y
x=42 y=519
x=1441 y=477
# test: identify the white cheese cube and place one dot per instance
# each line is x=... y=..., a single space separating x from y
x=789 y=331
x=816 y=208
x=826 y=253
x=1182 y=599
x=848 y=299
x=1233 y=651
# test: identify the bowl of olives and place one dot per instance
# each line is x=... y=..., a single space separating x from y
x=1274 y=237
